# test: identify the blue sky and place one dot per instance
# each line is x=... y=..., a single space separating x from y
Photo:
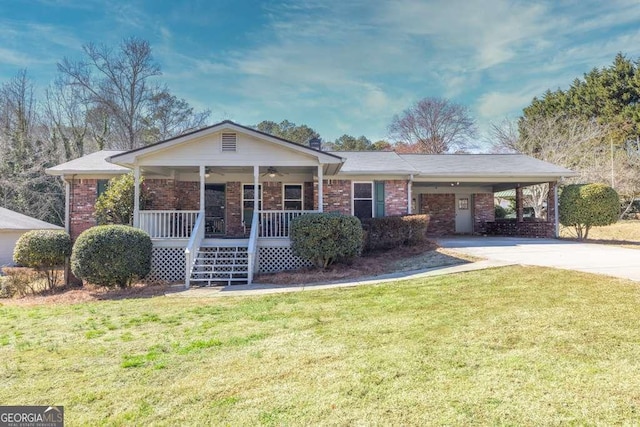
x=339 y=66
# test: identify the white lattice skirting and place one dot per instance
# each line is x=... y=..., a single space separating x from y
x=167 y=264
x=272 y=259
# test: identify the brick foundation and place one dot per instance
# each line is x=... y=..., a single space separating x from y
x=442 y=210
x=529 y=228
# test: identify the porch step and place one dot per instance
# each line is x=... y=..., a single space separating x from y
x=221 y=264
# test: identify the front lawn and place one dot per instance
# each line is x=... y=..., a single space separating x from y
x=516 y=346
x=627 y=231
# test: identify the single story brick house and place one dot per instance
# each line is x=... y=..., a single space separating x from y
x=209 y=224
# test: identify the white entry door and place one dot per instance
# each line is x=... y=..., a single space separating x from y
x=464 y=222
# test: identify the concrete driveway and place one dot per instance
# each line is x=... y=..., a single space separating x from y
x=588 y=257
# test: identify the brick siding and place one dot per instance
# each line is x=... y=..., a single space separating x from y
x=336 y=196
x=395 y=197
x=84 y=193
x=234 y=209
x=272 y=196
x=310 y=196
x=442 y=210
x=483 y=211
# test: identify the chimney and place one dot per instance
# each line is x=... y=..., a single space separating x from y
x=315 y=143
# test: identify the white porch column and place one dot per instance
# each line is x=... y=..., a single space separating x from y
x=67 y=201
x=256 y=194
x=320 y=188
x=409 y=195
x=136 y=196
x=202 y=177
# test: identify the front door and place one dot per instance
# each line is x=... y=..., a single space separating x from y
x=464 y=223
x=214 y=202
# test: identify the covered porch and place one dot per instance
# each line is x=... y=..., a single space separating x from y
x=246 y=209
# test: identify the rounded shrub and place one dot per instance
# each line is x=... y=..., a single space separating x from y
x=326 y=238
x=111 y=255
x=500 y=212
x=583 y=206
x=45 y=251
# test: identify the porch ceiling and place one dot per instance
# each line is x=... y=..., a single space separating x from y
x=495 y=185
x=168 y=171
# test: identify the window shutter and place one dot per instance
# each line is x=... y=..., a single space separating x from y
x=229 y=141
x=379 y=199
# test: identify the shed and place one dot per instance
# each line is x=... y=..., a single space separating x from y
x=12 y=226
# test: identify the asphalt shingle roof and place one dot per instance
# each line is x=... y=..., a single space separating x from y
x=91 y=163
x=482 y=165
x=373 y=162
x=11 y=220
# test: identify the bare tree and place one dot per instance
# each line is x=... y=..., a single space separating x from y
x=560 y=140
x=66 y=118
x=570 y=142
x=24 y=153
x=433 y=126
x=119 y=81
x=169 y=116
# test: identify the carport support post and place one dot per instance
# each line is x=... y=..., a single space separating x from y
x=320 y=188
x=556 y=216
x=519 y=203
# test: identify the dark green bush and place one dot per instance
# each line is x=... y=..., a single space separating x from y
x=394 y=231
x=115 y=205
x=111 y=255
x=326 y=238
x=583 y=206
x=45 y=251
x=500 y=212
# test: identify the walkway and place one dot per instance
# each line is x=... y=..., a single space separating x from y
x=496 y=251
x=588 y=257
x=263 y=289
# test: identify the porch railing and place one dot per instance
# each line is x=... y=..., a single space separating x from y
x=277 y=224
x=191 y=251
x=252 y=249
x=168 y=224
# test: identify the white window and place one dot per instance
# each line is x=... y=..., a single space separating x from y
x=292 y=197
x=248 y=201
x=229 y=141
x=363 y=199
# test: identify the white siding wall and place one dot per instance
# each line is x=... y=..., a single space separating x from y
x=206 y=150
x=7 y=243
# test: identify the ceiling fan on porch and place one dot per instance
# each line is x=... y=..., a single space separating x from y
x=272 y=172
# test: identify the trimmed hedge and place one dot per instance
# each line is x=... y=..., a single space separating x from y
x=325 y=238
x=111 y=255
x=583 y=206
x=394 y=231
x=45 y=251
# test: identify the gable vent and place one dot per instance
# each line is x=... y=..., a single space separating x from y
x=229 y=142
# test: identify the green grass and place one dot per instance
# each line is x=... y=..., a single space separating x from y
x=514 y=346
x=621 y=231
